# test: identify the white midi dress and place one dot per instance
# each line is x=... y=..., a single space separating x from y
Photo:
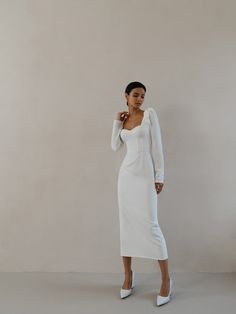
x=142 y=166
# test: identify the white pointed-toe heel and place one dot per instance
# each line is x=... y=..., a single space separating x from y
x=126 y=292
x=162 y=300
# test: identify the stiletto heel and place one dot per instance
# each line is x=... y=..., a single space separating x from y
x=126 y=292
x=132 y=286
x=162 y=300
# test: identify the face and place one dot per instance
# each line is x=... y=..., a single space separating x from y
x=136 y=97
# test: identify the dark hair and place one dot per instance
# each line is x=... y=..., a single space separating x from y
x=133 y=85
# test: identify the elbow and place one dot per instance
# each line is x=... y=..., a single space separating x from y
x=114 y=147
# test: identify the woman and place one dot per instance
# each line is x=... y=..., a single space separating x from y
x=140 y=179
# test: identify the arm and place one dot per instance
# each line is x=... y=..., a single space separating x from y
x=116 y=141
x=156 y=146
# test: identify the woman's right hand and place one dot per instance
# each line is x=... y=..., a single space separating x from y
x=122 y=115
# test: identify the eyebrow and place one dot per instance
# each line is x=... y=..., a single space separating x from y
x=138 y=93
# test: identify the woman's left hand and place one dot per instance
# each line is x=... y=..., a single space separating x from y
x=158 y=186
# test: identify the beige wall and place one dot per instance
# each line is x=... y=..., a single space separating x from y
x=64 y=67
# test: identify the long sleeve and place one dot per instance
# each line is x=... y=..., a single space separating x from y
x=116 y=141
x=156 y=146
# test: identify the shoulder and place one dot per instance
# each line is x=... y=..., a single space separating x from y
x=152 y=114
x=152 y=111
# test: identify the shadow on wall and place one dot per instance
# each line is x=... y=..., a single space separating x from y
x=200 y=224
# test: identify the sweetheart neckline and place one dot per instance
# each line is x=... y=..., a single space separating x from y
x=136 y=125
x=132 y=128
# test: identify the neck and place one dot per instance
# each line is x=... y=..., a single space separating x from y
x=133 y=111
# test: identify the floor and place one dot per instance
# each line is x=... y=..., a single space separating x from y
x=70 y=293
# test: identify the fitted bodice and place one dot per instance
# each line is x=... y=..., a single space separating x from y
x=138 y=138
x=143 y=144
